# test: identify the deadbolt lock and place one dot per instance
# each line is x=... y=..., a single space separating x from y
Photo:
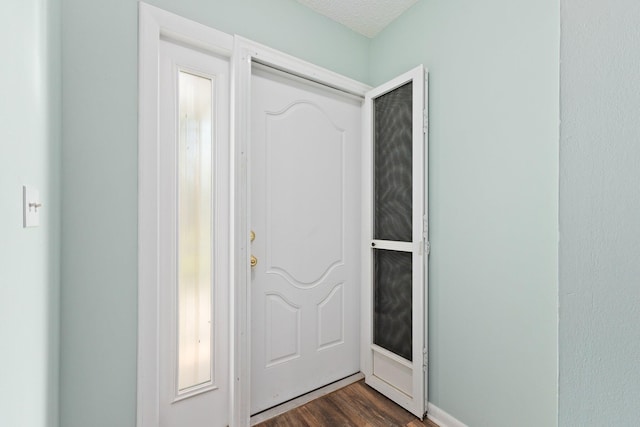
x=254 y=261
x=252 y=236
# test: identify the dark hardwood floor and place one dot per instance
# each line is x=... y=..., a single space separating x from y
x=354 y=405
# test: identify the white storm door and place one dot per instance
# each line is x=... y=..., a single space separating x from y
x=395 y=231
x=305 y=213
x=193 y=319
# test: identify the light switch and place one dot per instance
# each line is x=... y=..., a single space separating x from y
x=32 y=206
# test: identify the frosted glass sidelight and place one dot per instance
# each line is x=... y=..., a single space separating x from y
x=195 y=257
x=392 y=308
x=393 y=149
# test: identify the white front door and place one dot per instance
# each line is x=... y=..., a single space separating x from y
x=305 y=212
x=193 y=238
x=395 y=246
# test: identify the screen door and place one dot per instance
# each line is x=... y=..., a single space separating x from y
x=395 y=229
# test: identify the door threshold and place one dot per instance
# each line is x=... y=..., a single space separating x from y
x=304 y=399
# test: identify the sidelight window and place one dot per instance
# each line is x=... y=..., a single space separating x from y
x=195 y=238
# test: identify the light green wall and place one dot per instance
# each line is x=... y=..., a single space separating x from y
x=99 y=178
x=29 y=258
x=600 y=214
x=493 y=201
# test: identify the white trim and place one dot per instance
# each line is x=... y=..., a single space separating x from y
x=155 y=24
x=183 y=30
x=395 y=246
x=427 y=245
x=304 y=399
x=366 y=294
x=245 y=53
x=290 y=64
x=442 y=418
x=240 y=275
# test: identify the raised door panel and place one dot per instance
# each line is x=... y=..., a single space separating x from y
x=331 y=319
x=308 y=184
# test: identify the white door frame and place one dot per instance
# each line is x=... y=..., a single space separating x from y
x=154 y=25
x=245 y=53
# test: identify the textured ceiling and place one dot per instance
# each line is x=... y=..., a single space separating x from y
x=367 y=17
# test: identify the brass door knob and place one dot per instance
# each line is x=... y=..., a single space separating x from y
x=252 y=236
x=254 y=261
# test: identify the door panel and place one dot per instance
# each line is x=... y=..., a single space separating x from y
x=305 y=194
x=394 y=230
x=331 y=319
x=292 y=191
x=282 y=327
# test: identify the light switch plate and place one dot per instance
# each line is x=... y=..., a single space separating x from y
x=31 y=206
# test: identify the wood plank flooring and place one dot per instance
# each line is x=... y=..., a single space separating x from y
x=354 y=405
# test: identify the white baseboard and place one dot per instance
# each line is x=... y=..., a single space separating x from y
x=442 y=418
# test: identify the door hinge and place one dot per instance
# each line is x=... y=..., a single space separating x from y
x=425 y=362
x=425 y=121
x=425 y=235
x=425 y=227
